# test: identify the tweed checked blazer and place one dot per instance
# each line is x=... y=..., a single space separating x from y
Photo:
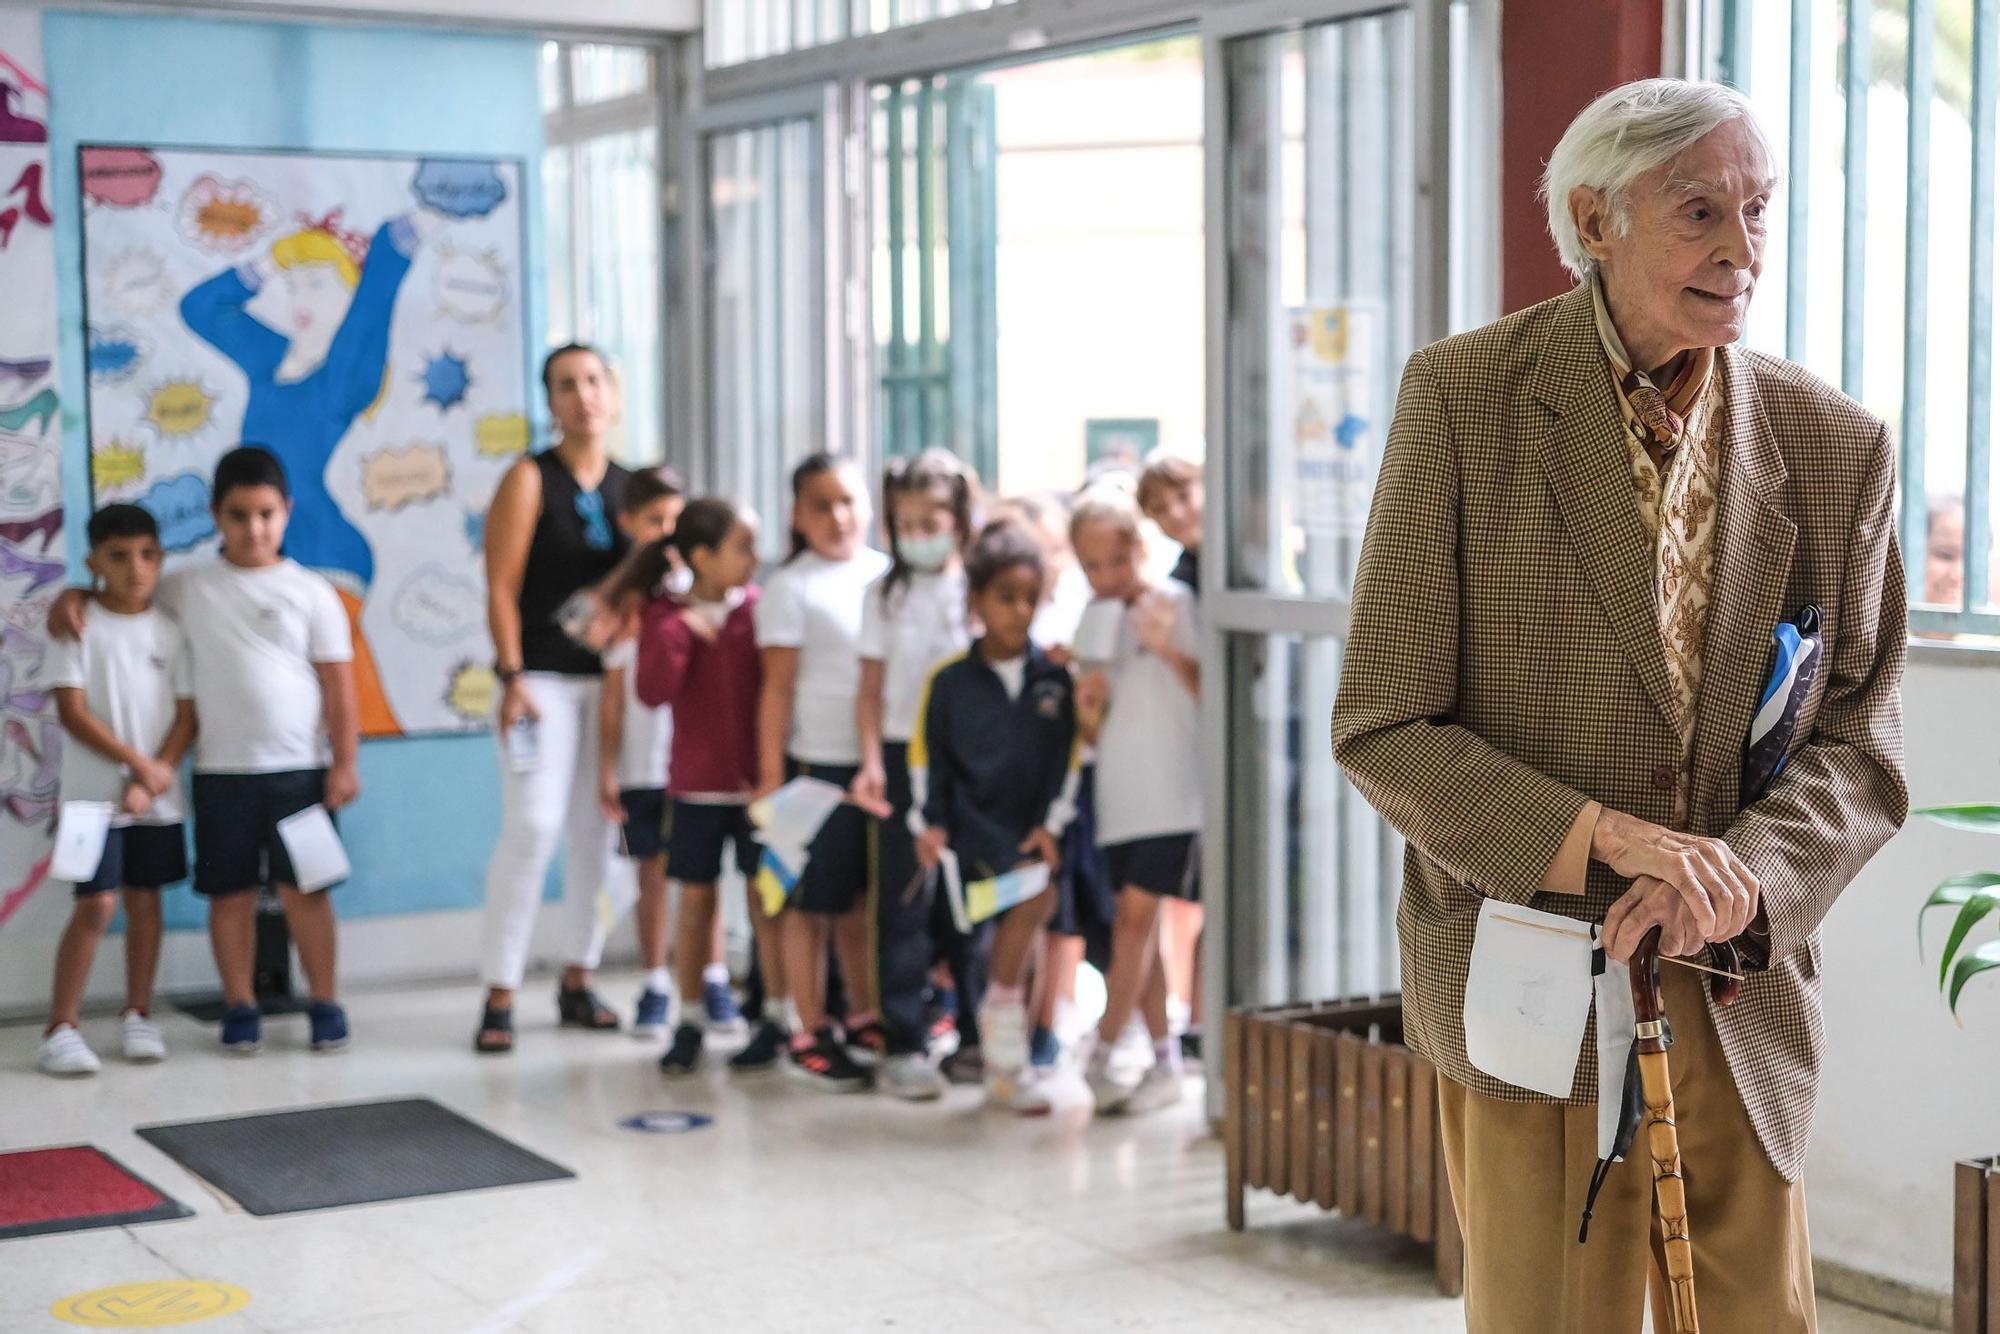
x=1504 y=665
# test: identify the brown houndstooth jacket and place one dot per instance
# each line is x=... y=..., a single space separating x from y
x=1504 y=665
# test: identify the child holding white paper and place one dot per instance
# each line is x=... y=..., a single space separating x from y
x=272 y=657
x=914 y=618
x=697 y=656
x=1148 y=783
x=123 y=696
x=808 y=628
x=994 y=761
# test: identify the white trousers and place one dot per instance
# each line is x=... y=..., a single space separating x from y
x=556 y=801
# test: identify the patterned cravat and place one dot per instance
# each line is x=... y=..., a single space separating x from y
x=1649 y=405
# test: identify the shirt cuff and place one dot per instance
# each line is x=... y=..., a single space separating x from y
x=1567 y=873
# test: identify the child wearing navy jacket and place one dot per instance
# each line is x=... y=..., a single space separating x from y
x=697 y=655
x=993 y=773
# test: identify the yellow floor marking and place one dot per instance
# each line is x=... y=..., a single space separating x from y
x=175 y=1301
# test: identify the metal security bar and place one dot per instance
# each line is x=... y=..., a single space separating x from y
x=1932 y=68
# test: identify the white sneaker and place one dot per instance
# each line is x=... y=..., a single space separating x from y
x=143 y=1043
x=64 y=1052
x=1159 y=1087
x=1003 y=1033
x=910 y=1077
x=1109 y=1089
x=1018 y=1090
x=1132 y=1053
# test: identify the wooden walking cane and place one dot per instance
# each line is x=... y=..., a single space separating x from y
x=1663 y=1142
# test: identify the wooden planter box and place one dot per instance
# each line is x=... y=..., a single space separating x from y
x=1975 y=1271
x=1325 y=1104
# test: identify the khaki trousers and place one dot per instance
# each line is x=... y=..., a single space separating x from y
x=1520 y=1171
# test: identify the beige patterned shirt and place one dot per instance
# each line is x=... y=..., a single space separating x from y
x=1675 y=481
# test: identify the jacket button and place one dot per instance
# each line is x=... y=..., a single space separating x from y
x=1665 y=779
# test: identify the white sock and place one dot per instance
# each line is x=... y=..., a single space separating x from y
x=1179 y=1015
x=716 y=972
x=1167 y=1054
x=788 y=1015
x=659 y=980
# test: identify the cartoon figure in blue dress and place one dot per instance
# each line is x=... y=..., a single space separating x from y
x=309 y=382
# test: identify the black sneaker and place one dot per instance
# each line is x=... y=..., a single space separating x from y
x=684 y=1054
x=761 y=1051
x=868 y=1044
x=1191 y=1045
x=827 y=1064
x=964 y=1066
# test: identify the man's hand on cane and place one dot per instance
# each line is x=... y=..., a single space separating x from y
x=1717 y=894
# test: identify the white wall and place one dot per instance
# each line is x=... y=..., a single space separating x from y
x=1906 y=1093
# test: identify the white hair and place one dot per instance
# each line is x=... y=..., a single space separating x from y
x=1631 y=130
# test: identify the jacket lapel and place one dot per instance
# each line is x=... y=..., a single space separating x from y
x=1753 y=559
x=1589 y=470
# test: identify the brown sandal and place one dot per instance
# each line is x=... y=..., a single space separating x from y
x=580 y=1007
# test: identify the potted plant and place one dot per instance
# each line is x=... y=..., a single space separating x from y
x=1975 y=1280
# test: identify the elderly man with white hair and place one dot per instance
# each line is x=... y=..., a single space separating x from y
x=1599 y=523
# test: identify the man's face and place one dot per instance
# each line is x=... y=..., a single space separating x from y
x=1680 y=273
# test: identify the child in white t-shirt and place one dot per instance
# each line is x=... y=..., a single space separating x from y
x=122 y=694
x=914 y=618
x=1148 y=781
x=272 y=655
x=808 y=629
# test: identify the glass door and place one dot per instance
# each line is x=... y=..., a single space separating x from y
x=774 y=327
x=1328 y=143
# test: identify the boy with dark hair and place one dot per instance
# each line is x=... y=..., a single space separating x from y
x=123 y=695
x=274 y=694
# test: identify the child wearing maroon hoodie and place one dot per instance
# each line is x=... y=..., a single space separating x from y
x=697 y=654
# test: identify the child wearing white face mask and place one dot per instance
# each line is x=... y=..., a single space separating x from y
x=913 y=619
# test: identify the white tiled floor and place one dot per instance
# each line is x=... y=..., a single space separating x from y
x=794 y=1211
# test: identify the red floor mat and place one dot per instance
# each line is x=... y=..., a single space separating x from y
x=71 y=1188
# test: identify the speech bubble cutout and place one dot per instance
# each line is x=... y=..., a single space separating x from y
x=471 y=286
x=115 y=353
x=445 y=379
x=222 y=216
x=459 y=189
x=437 y=606
x=393 y=478
x=119 y=177
x=501 y=435
x=117 y=463
x=472 y=691
x=180 y=506
x=137 y=284
x=179 y=408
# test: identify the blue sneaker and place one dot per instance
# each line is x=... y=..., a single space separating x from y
x=1043 y=1049
x=649 y=1017
x=718 y=1003
x=242 y=1030
x=329 y=1025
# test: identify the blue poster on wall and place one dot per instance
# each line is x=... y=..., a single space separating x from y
x=359 y=316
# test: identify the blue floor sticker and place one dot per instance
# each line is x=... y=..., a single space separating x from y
x=666 y=1123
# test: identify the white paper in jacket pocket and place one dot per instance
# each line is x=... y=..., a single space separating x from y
x=318 y=859
x=1527 y=997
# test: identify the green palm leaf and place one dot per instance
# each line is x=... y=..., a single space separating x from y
x=1954 y=892
x=1978 y=819
x=1983 y=959
x=1975 y=910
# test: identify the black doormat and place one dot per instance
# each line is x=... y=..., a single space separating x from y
x=351 y=1153
x=72 y=1188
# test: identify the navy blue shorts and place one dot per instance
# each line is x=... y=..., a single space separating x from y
x=236 y=843
x=839 y=864
x=1168 y=865
x=698 y=833
x=643 y=836
x=139 y=856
